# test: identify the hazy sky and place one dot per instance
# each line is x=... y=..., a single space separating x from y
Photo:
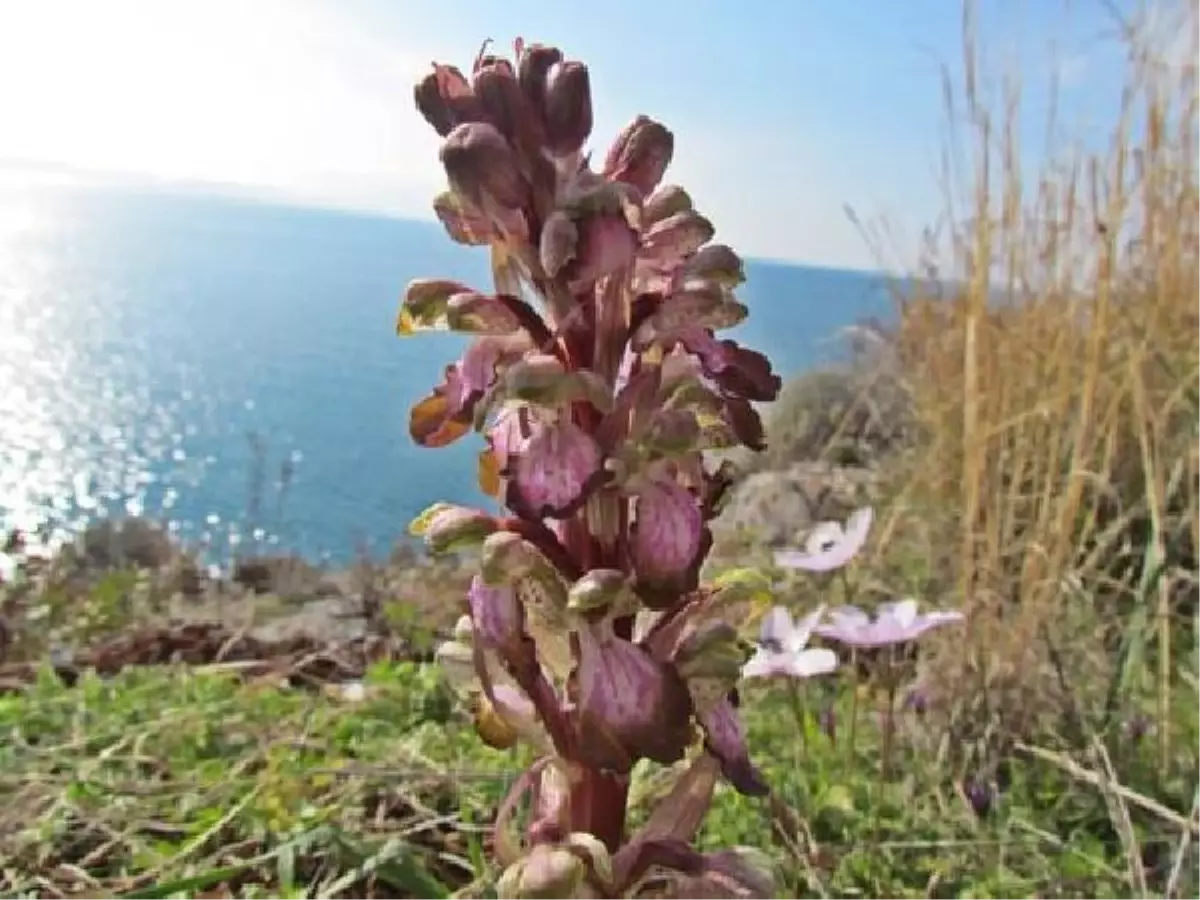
x=783 y=111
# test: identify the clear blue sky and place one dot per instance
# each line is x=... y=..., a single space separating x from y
x=783 y=111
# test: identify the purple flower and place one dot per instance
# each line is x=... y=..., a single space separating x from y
x=893 y=623
x=830 y=545
x=783 y=648
x=979 y=794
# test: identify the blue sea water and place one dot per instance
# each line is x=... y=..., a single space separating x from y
x=179 y=355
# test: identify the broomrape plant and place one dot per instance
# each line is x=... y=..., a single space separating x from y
x=595 y=375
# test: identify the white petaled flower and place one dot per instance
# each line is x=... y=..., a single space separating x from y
x=893 y=623
x=783 y=648
x=830 y=545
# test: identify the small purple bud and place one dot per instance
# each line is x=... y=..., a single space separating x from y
x=640 y=155
x=1137 y=727
x=917 y=701
x=979 y=794
x=828 y=722
x=504 y=103
x=482 y=167
x=445 y=99
x=630 y=706
x=568 y=108
x=533 y=72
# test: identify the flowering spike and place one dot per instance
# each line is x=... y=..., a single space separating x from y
x=596 y=379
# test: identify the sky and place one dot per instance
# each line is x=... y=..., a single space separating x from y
x=784 y=113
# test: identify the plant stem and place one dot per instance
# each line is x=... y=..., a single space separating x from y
x=598 y=806
x=889 y=712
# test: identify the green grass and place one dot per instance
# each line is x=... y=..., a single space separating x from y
x=174 y=782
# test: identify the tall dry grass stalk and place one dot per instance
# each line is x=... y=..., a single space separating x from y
x=1057 y=384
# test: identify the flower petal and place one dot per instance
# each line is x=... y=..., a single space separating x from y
x=727 y=742
x=804 y=629
x=667 y=532
x=630 y=706
x=775 y=631
x=765 y=664
x=556 y=469
x=814 y=661
x=824 y=537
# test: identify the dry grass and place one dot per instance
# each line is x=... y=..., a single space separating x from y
x=1057 y=384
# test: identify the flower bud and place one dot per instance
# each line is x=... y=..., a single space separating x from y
x=533 y=72
x=545 y=871
x=640 y=155
x=503 y=102
x=482 y=167
x=447 y=528
x=667 y=200
x=445 y=99
x=567 y=108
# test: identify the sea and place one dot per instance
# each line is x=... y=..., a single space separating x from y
x=230 y=367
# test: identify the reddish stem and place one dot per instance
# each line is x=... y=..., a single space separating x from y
x=598 y=801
